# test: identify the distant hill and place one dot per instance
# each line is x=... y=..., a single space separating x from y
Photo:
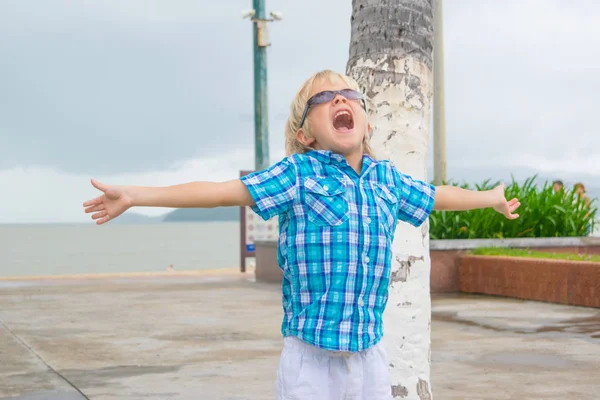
x=203 y=214
x=182 y=215
x=130 y=217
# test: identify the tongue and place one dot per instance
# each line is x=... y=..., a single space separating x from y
x=343 y=123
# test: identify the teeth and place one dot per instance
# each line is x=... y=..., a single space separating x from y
x=342 y=113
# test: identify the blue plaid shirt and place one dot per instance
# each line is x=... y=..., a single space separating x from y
x=336 y=229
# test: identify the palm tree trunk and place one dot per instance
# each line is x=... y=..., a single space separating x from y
x=391 y=58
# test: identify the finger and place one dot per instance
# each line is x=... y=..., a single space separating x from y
x=93 y=202
x=515 y=200
x=98 y=185
x=98 y=207
x=100 y=214
x=513 y=207
x=103 y=220
x=513 y=216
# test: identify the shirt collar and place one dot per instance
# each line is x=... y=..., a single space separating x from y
x=326 y=156
x=329 y=157
x=368 y=162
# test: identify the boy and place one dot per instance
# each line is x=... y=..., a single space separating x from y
x=338 y=208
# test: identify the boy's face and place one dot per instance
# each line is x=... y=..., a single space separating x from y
x=339 y=125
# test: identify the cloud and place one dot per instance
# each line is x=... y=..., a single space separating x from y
x=520 y=79
x=134 y=86
x=123 y=94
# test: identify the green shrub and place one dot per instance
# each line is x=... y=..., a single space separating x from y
x=543 y=213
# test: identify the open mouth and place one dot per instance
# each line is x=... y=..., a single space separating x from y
x=343 y=121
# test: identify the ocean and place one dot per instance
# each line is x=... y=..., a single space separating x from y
x=57 y=249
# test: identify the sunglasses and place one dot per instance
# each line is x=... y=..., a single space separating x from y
x=329 y=95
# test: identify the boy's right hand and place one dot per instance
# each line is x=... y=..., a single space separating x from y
x=113 y=202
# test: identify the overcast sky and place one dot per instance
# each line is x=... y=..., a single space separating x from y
x=155 y=92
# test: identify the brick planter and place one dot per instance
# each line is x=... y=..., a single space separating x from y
x=557 y=281
x=445 y=254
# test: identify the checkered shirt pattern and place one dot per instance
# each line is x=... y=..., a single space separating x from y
x=336 y=229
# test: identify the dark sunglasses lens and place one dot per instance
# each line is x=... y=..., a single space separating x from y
x=322 y=97
x=327 y=96
x=351 y=94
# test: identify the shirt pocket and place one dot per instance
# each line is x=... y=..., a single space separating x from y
x=326 y=201
x=387 y=206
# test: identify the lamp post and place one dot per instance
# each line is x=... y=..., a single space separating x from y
x=261 y=115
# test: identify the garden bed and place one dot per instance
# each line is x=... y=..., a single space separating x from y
x=533 y=275
x=504 y=252
x=445 y=254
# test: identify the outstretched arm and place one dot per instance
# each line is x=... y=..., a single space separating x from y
x=453 y=198
x=115 y=200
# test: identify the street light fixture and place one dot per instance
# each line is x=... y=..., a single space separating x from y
x=277 y=15
x=261 y=24
x=248 y=14
x=260 y=42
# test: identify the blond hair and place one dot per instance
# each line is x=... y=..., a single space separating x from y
x=292 y=145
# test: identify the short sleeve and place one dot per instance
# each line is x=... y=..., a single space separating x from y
x=273 y=189
x=416 y=199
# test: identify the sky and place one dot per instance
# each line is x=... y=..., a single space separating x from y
x=150 y=92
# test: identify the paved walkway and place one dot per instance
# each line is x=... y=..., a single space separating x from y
x=217 y=337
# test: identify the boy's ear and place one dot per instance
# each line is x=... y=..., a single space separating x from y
x=301 y=137
x=369 y=131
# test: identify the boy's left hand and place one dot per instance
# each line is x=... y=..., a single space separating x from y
x=504 y=207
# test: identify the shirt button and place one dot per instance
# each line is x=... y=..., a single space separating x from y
x=367 y=220
x=361 y=303
x=367 y=259
x=325 y=188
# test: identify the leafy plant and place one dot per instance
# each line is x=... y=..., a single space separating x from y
x=543 y=213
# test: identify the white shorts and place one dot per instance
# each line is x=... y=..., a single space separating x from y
x=309 y=373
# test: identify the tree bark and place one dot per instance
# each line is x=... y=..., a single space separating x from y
x=391 y=55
